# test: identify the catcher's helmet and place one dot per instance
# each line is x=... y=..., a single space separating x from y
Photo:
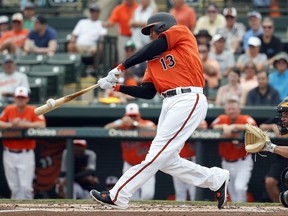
x=283 y=198
x=282 y=107
x=160 y=21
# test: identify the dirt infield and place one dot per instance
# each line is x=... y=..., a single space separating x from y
x=89 y=208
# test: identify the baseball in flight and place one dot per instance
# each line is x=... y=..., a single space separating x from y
x=51 y=103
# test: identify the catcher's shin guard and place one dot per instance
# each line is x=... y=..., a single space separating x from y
x=283 y=198
x=284 y=176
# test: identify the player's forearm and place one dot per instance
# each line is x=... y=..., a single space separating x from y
x=148 y=52
x=5 y=125
x=281 y=150
x=145 y=91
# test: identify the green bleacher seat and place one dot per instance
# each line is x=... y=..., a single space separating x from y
x=55 y=78
x=31 y=59
x=23 y=68
x=38 y=87
x=71 y=62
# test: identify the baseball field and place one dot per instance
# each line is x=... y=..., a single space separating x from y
x=147 y=208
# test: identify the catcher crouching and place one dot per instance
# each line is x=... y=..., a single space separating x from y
x=257 y=140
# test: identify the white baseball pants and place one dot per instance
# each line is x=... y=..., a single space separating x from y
x=19 y=171
x=146 y=191
x=180 y=116
x=240 y=174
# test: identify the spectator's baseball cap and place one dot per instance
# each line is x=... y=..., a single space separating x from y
x=41 y=19
x=130 y=44
x=254 y=14
x=230 y=12
x=280 y=56
x=132 y=109
x=21 y=91
x=4 y=19
x=81 y=142
x=254 y=41
x=203 y=33
x=111 y=180
x=17 y=17
x=9 y=58
x=217 y=37
x=94 y=7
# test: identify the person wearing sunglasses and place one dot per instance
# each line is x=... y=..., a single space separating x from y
x=270 y=44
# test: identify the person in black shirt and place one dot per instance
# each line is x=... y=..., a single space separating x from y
x=270 y=44
x=264 y=94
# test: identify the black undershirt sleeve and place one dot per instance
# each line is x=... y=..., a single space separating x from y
x=145 y=90
x=148 y=52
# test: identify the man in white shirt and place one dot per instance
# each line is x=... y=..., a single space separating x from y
x=10 y=79
x=87 y=33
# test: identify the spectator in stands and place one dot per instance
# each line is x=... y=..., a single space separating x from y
x=263 y=94
x=278 y=78
x=233 y=31
x=225 y=58
x=138 y=21
x=42 y=39
x=270 y=44
x=248 y=80
x=203 y=37
x=84 y=171
x=87 y=33
x=18 y=154
x=131 y=77
x=254 y=22
x=10 y=79
x=230 y=90
x=211 y=67
x=134 y=152
x=29 y=12
x=263 y=6
x=4 y=25
x=137 y=70
x=184 y=191
x=13 y=41
x=233 y=154
x=211 y=20
x=253 y=53
x=184 y=14
x=122 y=15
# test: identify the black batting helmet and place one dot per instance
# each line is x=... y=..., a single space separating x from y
x=282 y=107
x=160 y=21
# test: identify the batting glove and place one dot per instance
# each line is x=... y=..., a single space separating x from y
x=105 y=84
x=113 y=75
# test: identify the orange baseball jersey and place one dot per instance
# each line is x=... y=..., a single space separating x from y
x=229 y=150
x=122 y=14
x=18 y=38
x=134 y=152
x=180 y=65
x=9 y=113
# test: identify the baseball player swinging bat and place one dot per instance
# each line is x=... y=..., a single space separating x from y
x=53 y=104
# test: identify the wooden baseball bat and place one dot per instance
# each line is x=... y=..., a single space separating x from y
x=63 y=100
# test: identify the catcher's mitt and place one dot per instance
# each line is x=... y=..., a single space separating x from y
x=255 y=139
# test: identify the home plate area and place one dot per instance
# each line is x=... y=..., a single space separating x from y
x=151 y=208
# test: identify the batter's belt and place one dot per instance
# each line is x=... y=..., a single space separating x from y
x=181 y=90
